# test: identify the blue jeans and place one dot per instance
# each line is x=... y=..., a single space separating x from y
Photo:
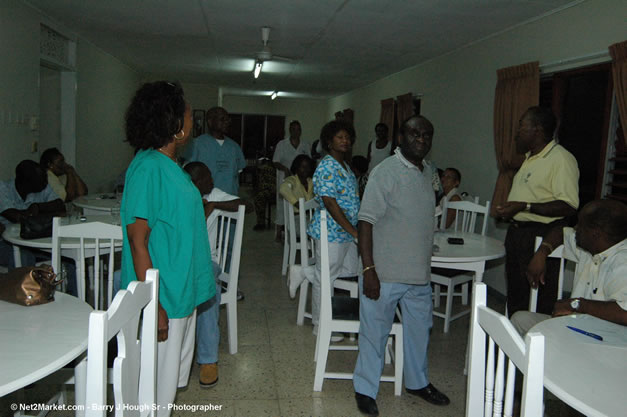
x=207 y=329
x=376 y=318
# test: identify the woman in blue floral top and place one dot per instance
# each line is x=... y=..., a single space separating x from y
x=335 y=189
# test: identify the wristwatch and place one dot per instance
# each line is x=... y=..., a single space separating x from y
x=575 y=304
x=528 y=207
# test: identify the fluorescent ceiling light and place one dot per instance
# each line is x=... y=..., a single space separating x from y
x=273 y=95
x=258 y=66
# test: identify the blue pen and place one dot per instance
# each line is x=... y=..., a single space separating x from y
x=592 y=335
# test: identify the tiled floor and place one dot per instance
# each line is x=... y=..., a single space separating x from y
x=273 y=372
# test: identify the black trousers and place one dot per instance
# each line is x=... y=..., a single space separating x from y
x=520 y=247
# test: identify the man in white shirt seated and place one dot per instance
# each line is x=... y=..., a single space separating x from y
x=599 y=245
x=208 y=313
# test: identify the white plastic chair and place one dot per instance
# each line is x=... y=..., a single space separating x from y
x=341 y=314
x=465 y=221
x=135 y=366
x=559 y=254
x=231 y=276
x=289 y=240
x=305 y=245
x=96 y=239
x=489 y=392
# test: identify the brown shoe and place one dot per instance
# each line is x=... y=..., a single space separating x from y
x=208 y=375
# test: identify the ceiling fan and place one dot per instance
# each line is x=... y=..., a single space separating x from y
x=265 y=54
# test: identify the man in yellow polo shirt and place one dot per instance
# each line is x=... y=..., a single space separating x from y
x=545 y=192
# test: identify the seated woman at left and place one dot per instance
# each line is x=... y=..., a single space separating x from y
x=62 y=177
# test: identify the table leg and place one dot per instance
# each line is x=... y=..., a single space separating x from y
x=17 y=256
x=80 y=386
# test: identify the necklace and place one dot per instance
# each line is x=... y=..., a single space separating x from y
x=166 y=153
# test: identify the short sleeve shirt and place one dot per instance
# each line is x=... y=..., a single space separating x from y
x=332 y=180
x=160 y=192
x=400 y=204
x=11 y=199
x=225 y=161
x=601 y=277
x=550 y=175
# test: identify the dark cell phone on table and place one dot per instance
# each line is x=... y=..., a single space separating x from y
x=455 y=240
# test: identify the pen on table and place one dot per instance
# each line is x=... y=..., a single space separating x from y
x=592 y=335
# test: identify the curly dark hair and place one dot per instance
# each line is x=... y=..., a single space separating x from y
x=155 y=115
x=299 y=160
x=331 y=129
x=48 y=156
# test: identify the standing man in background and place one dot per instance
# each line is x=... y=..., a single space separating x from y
x=380 y=148
x=284 y=154
x=221 y=154
x=545 y=192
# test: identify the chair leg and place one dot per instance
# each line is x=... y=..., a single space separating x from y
x=398 y=364
x=449 y=306
x=322 y=351
x=302 y=302
x=286 y=253
x=436 y=295
x=388 y=346
x=231 y=317
x=465 y=294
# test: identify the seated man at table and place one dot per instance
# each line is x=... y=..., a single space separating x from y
x=208 y=313
x=599 y=246
x=62 y=177
x=27 y=195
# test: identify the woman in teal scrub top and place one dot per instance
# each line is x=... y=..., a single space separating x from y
x=164 y=227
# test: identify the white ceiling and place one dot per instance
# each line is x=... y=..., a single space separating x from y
x=338 y=45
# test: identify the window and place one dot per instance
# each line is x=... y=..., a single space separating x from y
x=581 y=99
x=257 y=134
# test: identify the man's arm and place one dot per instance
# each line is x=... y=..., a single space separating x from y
x=54 y=207
x=555 y=208
x=75 y=187
x=232 y=205
x=371 y=282
x=537 y=265
x=606 y=310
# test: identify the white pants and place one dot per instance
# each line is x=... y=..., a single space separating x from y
x=174 y=361
x=523 y=321
x=343 y=262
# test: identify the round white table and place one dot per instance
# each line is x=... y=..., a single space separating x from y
x=38 y=340
x=98 y=203
x=70 y=247
x=471 y=256
x=587 y=374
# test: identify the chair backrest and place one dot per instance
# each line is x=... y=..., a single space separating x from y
x=135 y=366
x=557 y=253
x=306 y=211
x=291 y=236
x=96 y=239
x=466 y=215
x=325 y=272
x=229 y=261
x=490 y=392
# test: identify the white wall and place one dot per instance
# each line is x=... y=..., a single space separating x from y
x=104 y=90
x=49 y=109
x=310 y=113
x=459 y=87
x=19 y=81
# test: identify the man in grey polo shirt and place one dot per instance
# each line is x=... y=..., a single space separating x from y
x=396 y=223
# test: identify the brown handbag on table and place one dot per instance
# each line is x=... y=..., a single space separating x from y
x=29 y=285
